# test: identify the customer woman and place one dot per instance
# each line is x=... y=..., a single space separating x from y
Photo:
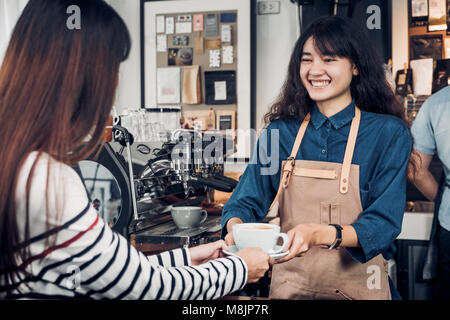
x=343 y=181
x=56 y=92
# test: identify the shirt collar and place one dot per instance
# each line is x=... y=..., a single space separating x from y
x=338 y=120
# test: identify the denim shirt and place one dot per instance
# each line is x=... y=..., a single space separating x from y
x=431 y=134
x=382 y=151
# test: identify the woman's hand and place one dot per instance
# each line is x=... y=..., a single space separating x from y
x=205 y=252
x=257 y=261
x=302 y=238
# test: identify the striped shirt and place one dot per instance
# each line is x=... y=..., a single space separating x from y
x=79 y=256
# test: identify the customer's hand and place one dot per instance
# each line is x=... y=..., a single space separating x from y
x=205 y=252
x=258 y=262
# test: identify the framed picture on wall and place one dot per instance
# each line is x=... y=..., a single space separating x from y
x=418 y=11
x=419 y=8
x=426 y=46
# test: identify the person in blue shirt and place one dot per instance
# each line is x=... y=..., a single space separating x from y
x=431 y=134
x=335 y=83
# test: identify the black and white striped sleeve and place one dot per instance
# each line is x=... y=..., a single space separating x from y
x=107 y=266
x=172 y=258
x=80 y=255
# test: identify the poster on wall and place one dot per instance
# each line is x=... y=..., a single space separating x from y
x=180 y=57
x=437 y=18
x=227 y=54
x=168 y=85
x=419 y=13
x=211 y=25
x=191 y=87
x=160 y=24
x=170 y=27
x=220 y=87
x=419 y=8
x=422 y=76
x=161 y=43
x=198 y=22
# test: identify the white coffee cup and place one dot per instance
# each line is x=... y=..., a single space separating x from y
x=262 y=235
x=188 y=217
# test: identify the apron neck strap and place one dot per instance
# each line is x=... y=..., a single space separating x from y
x=300 y=135
x=351 y=142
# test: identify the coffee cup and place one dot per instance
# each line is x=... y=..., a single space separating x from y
x=188 y=217
x=262 y=235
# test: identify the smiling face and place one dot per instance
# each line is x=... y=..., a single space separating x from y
x=327 y=78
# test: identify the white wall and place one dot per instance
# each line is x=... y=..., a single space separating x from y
x=129 y=91
x=275 y=37
x=10 y=11
x=399 y=34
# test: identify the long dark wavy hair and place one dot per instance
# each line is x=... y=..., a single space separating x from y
x=370 y=89
x=57 y=85
x=339 y=37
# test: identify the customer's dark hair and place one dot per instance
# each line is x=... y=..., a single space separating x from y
x=57 y=87
x=339 y=37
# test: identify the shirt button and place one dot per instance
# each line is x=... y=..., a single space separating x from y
x=324 y=151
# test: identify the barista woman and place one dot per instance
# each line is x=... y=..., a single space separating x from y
x=342 y=187
x=56 y=90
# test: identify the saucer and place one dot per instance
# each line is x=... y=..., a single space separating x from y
x=233 y=250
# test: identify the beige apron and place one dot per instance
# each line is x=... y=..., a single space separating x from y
x=324 y=192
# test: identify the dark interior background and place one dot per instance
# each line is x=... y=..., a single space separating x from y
x=355 y=9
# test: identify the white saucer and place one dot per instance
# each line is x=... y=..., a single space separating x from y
x=233 y=250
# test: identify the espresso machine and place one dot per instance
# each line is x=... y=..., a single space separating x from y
x=153 y=177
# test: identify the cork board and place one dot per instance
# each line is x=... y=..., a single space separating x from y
x=242 y=40
x=197 y=46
